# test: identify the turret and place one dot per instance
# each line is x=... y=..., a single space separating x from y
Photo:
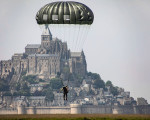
x=46 y=37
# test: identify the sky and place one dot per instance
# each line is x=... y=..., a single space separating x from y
x=117 y=45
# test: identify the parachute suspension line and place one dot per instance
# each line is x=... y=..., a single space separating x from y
x=69 y=40
x=64 y=33
x=68 y=32
x=71 y=36
x=63 y=39
x=55 y=25
x=88 y=29
x=52 y=30
x=74 y=37
x=81 y=37
x=77 y=40
x=84 y=35
x=51 y=26
x=73 y=43
x=59 y=32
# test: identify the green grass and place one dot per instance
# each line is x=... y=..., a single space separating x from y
x=75 y=117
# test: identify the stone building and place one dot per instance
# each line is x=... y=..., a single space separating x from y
x=35 y=87
x=141 y=101
x=5 y=67
x=44 y=60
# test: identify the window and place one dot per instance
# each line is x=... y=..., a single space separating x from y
x=44 y=38
x=54 y=17
x=66 y=17
x=45 y=17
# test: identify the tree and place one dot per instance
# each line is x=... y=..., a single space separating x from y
x=24 y=89
x=79 y=79
x=109 y=83
x=49 y=94
x=58 y=74
x=4 y=85
x=98 y=83
x=30 y=78
x=56 y=83
x=113 y=89
x=41 y=80
x=17 y=86
x=37 y=93
x=71 y=77
x=94 y=75
x=91 y=92
x=23 y=73
x=7 y=93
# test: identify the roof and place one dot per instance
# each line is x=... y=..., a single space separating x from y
x=44 y=55
x=36 y=85
x=18 y=54
x=119 y=96
x=37 y=97
x=20 y=98
x=75 y=54
x=33 y=46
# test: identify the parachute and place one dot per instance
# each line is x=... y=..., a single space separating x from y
x=69 y=21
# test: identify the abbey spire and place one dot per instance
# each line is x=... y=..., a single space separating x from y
x=46 y=37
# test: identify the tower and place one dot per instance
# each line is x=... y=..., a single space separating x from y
x=83 y=64
x=46 y=38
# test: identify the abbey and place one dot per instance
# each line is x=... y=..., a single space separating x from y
x=45 y=60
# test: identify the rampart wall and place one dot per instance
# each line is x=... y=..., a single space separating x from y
x=78 y=109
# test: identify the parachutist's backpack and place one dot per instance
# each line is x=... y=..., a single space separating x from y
x=65 y=89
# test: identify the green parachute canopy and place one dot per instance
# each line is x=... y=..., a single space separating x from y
x=67 y=12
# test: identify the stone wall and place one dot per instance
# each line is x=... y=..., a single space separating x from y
x=142 y=109
x=8 y=111
x=127 y=109
x=78 y=109
x=89 y=109
x=123 y=109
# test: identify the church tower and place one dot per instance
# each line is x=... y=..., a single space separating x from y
x=46 y=38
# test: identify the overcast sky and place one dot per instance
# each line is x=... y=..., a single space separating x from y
x=117 y=46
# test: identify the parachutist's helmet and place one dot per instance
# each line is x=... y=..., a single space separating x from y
x=67 y=12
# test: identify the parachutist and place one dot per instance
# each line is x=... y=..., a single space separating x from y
x=65 y=92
